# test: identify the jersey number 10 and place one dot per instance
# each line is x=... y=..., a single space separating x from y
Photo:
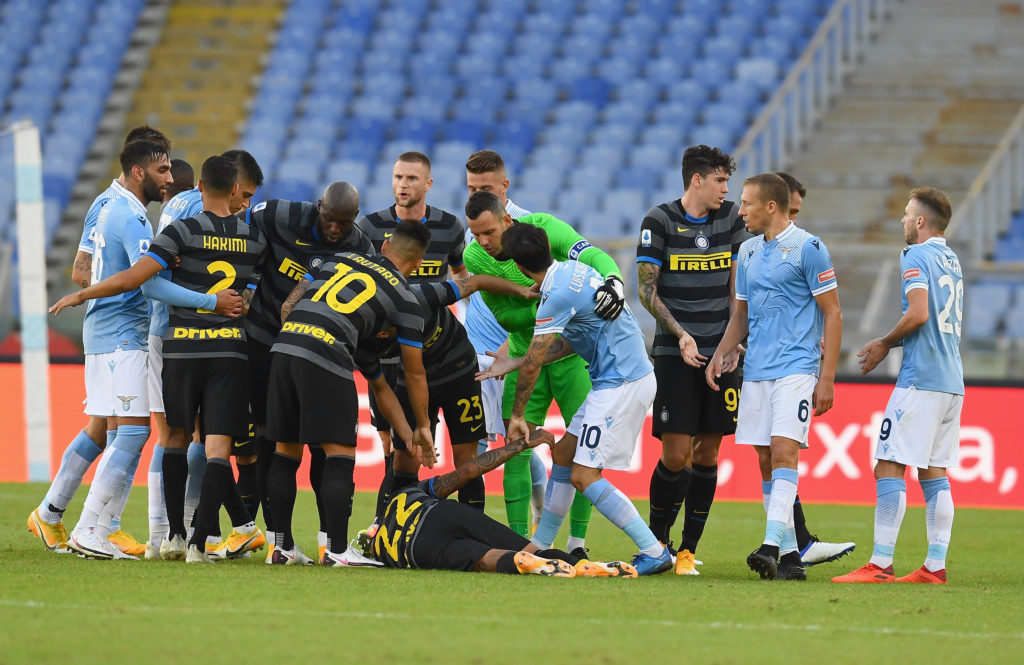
x=339 y=281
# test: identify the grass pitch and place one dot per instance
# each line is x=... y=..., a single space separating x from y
x=61 y=609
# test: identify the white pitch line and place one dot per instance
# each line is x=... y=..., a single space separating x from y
x=667 y=623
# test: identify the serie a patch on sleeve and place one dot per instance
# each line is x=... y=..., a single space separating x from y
x=645 y=238
x=827 y=275
x=912 y=272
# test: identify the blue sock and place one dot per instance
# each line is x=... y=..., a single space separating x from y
x=780 y=507
x=196 y=457
x=156 y=464
x=112 y=477
x=557 y=502
x=890 y=506
x=938 y=519
x=538 y=472
x=77 y=458
x=621 y=512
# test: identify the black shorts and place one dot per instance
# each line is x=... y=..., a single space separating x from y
x=463 y=410
x=377 y=418
x=247 y=447
x=453 y=536
x=686 y=404
x=259 y=373
x=212 y=388
x=308 y=404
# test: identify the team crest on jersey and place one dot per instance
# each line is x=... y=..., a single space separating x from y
x=645 y=238
x=126 y=402
x=316 y=262
x=664 y=415
x=702 y=242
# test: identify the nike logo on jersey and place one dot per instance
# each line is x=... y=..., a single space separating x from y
x=474 y=429
x=300 y=243
x=387 y=235
x=682 y=230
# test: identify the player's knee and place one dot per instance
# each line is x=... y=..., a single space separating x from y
x=583 y=477
x=705 y=450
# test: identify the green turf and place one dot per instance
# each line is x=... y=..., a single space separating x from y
x=61 y=609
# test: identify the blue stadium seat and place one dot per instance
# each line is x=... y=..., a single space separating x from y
x=465 y=130
x=613 y=134
x=713 y=135
x=762 y=73
x=640 y=91
x=591 y=89
x=425 y=106
x=416 y=129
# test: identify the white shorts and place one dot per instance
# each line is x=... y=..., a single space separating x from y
x=115 y=384
x=156 y=370
x=921 y=428
x=779 y=407
x=491 y=392
x=609 y=421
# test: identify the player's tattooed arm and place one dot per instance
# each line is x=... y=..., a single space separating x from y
x=503 y=365
x=293 y=297
x=528 y=372
x=470 y=284
x=247 y=297
x=81 y=271
x=450 y=483
x=647 y=289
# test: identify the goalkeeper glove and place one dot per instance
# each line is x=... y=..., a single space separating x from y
x=610 y=298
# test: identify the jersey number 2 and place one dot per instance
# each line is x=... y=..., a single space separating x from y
x=229 y=273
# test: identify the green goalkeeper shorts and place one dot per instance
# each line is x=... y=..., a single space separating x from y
x=565 y=381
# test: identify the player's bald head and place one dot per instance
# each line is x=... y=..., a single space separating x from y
x=341 y=199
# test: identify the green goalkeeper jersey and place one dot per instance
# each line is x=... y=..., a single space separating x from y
x=518 y=315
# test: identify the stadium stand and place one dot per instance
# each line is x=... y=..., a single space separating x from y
x=594 y=134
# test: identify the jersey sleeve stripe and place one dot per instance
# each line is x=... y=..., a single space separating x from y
x=409 y=342
x=648 y=259
x=818 y=292
x=156 y=258
x=915 y=285
x=550 y=330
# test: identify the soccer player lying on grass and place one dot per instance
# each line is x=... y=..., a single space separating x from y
x=422 y=530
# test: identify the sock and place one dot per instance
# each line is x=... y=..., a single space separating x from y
x=338 y=489
x=322 y=540
x=621 y=512
x=803 y=536
x=248 y=487
x=682 y=489
x=579 y=518
x=235 y=506
x=111 y=478
x=384 y=493
x=116 y=506
x=507 y=564
x=265 y=457
x=557 y=554
x=573 y=543
x=890 y=507
x=789 y=544
x=217 y=479
x=558 y=498
x=472 y=494
x=780 y=505
x=317 y=457
x=517 y=486
x=939 y=520
x=158 y=525
x=699 y=497
x=282 y=490
x=766 y=494
x=539 y=480
x=175 y=475
x=196 y=468
x=78 y=457
x=665 y=499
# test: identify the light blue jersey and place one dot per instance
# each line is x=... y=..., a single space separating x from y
x=122 y=235
x=86 y=243
x=779 y=280
x=485 y=334
x=931 y=354
x=182 y=206
x=615 y=350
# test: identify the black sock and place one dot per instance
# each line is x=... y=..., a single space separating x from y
x=384 y=493
x=248 y=475
x=338 y=488
x=238 y=512
x=282 y=497
x=317 y=456
x=803 y=536
x=507 y=564
x=770 y=550
x=792 y=558
x=265 y=457
x=557 y=554
x=682 y=491
x=472 y=494
x=175 y=470
x=699 y=497
x=665 y=500
x=402 y=480
x=215 y=483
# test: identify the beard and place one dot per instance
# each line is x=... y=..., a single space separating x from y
x=910 y=235
x=151 y=190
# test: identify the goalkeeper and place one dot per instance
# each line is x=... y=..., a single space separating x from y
x=567 y=381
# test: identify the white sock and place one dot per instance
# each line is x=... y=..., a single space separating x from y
x=780 y=506
x=890 y=506
x=110 y=478
x=158 y=525
x=939 y=520
x=574 y=543
x=77 y=458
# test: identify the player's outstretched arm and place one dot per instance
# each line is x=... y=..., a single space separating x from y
x=647 y=289
x=444 y=486
x=734 y=334
x=528 y=372
x=293 y=297
x=122 y=282
x=469 y=284
x=824 y=390
x=503 y=365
